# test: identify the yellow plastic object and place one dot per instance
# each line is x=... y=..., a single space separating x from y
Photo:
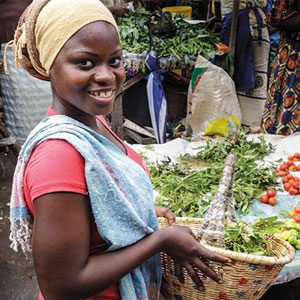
x=186 y=10
x=221 y=126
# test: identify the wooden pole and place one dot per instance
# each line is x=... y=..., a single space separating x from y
x=234 y=26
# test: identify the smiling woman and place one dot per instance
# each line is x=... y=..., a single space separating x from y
x=82 y=199
x=88 y=73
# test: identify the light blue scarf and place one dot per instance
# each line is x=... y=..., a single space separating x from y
x=120 y=193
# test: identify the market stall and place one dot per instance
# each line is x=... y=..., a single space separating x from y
x=196 y=187
x=176 y=40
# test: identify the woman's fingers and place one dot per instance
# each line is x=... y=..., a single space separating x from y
x=179 y=273
x=204 y=268
x=194 y=276
x=166 y=213
x=205 y=253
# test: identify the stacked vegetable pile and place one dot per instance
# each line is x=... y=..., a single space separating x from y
x=290 y=232
x=185 y=46
x=187 y=187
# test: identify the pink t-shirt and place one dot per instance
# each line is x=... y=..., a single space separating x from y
x=56 y=166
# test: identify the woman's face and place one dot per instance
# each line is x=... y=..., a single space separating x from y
x=87 y=74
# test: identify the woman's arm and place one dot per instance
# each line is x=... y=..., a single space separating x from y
x=61 y=240
x=291 y=24
x=118 y=10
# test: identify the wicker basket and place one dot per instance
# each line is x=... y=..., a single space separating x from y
x=248 y=278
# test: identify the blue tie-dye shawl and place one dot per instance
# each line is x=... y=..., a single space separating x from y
x=120 y=193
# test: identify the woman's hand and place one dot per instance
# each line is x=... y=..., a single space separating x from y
x=165 y=213
x=119 y=9
x=180 y=243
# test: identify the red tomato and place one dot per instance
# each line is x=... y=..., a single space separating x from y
x=264 y=199
x=296 y=217
x=297 y=209
x=293 y=191
x=297 y=179
x=296 y=155
x=289 y=176
x=290 y=157
x=298 y=168
x=283 y=167
x=295 y=184
x=271 y=193
x=286 y=186
x=290 y=163
x=282 y=173
x=272 y=201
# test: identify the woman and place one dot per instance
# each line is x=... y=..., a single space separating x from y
x=95 y=234
x=282 y=107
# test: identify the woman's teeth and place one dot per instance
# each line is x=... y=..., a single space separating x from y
x=102 y=94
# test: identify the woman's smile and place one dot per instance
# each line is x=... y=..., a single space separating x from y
x=103 y=97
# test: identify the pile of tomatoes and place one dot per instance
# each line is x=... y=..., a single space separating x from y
x=290 y=183
x=268 y=197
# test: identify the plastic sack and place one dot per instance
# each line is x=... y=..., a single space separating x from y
x=222 y=126
x=211 y=96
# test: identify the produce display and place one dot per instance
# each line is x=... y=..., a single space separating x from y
x=183 y=48
x=188 y=186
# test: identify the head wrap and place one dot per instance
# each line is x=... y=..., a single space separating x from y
x=45 y=27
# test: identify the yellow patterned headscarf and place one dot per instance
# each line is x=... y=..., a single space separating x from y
x=45 y=27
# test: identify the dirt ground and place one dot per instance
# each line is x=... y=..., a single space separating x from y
x=17 y=276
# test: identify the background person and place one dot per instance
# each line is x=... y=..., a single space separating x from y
x=95 y=233
x=282 y=106
x=116 y=7
x=251 y=56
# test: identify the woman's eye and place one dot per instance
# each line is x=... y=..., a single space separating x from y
x=85 y=64
x=115 y=62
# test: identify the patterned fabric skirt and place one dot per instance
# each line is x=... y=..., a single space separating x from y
x=282 y=107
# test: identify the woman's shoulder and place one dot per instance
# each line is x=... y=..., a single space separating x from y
x=55 y=149
x=54 y=166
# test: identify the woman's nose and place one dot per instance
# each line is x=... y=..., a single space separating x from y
x=104 y=74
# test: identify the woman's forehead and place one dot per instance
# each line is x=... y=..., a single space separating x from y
x=94 y=37
x=96 y=30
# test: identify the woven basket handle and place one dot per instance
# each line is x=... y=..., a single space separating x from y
x=221 y=208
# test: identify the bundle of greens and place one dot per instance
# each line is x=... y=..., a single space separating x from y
x=190 y=40
x=251 y=238
x=188 y=186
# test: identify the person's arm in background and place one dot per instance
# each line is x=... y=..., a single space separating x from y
x=119 y=9
x=291 y=24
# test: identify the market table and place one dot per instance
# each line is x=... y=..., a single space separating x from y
x=285 y=146
x=117 y=118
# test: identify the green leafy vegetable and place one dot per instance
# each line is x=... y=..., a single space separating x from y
x=188 y=191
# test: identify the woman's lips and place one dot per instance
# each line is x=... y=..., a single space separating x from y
x=103 y=96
